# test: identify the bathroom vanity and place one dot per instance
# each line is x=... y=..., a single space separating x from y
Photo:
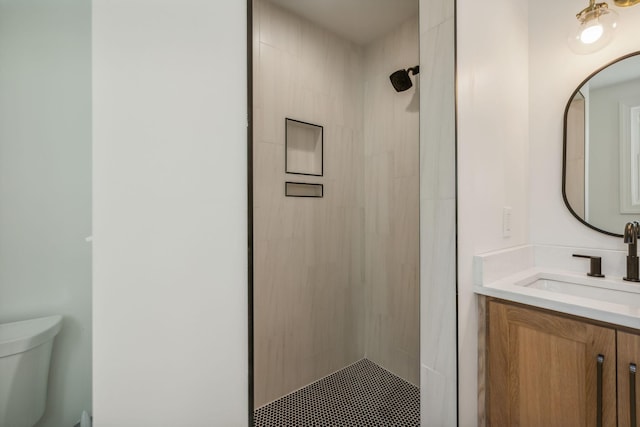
x=559 y=337
x=546 y=368
x=557 y=347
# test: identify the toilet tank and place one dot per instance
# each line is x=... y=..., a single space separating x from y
x=25 y=352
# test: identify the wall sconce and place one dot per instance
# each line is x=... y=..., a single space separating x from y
x=596 y=26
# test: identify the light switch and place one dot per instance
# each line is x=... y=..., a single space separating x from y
x=506 y=221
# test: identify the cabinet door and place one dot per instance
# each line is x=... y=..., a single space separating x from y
x=628 y=396
x=543 y=370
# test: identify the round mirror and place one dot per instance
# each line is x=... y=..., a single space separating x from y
x=601 y=169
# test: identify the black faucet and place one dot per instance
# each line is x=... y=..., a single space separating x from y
x=631 y=233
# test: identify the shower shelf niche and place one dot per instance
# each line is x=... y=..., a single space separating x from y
x=304 y=148
x=303 y=189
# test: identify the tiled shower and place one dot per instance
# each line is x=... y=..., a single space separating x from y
x=335 y=277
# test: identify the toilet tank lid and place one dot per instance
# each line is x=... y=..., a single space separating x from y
x=18 y=337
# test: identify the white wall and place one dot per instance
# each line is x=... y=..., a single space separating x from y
x=554 y=73
x=493 y=156
x=45 y=186
x=170 y=213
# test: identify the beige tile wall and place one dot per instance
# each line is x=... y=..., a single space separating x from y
x=309 y=255
x=313 y=312
x=391 y=165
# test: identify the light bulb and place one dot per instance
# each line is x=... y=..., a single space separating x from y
x=595 y=29
x=591 y=34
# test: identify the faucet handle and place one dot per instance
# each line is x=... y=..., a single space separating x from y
x=595 y=267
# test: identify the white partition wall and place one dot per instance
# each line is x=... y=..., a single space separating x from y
x=170 y=213
x=493 y=154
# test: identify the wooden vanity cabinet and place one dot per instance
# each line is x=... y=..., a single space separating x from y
x=628 y=360
x=548 y=370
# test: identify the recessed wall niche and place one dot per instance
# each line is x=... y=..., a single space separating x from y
x=303 y=189
x=303 y=148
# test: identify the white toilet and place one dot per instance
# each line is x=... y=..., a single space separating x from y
x=25 y=352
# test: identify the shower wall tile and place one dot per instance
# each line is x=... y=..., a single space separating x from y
x=437 y=152
x=308 y=253
x=335 y=278
x=437 y=221
x=436 y=396
x=435 y=13
x=264 y=190
x=278 y=29
x=391 y=200
x=437 y=251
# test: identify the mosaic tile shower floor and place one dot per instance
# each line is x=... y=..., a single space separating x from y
x=362 y=394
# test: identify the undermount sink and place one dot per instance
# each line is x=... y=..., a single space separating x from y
x=602 y=293
x=537 y=276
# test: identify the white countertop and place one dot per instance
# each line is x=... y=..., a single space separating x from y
x=507 y=274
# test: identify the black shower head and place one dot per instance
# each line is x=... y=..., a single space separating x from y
x=400 y=79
